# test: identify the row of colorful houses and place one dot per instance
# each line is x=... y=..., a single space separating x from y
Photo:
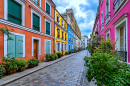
x=113 y=20
x=38 y=29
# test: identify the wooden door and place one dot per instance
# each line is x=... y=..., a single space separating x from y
x=35 y=49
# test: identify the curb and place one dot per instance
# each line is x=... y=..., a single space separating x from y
x=35 y=70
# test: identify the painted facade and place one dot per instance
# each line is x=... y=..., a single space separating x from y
x=114 y=22
x=61 y=34
x=70 y=38
x=33 y=28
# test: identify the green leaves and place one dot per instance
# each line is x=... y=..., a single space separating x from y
x=1 y=71
x=107 y=70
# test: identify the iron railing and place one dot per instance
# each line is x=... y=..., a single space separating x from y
x=117 y=3
x=122 y=55
x=107 y=17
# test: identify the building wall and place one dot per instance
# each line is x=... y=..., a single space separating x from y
x=114 y=16
x=27 y=30
x=58 y=25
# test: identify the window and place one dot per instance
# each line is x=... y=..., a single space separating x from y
x=47 y=46
x=15 y=46
x=65 y=47
x=47 y=28
x=58 y=32
x=61 y=22
x=58 y=47
x=107 y=33
x=102 y=24
x=117 y=3
x=101 y=1
x=36 y=24
x=48 y=8
x=62 y=35
x=15 y=14
x=65 y=37
x=69 y=46
x=107 y=11
x=58 y=18
x=36 y=1
x=65 y=25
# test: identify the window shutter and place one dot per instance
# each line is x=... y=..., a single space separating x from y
x=49 y=46
x=36 y=22
x=47 y=8
x=11 y=46
x=19 y=47
x=47 y=28
x=14 y=12
x=46 y=47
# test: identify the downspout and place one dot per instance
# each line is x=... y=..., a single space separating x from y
x=54 y=32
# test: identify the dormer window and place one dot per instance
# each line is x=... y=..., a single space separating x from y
x=36 y=1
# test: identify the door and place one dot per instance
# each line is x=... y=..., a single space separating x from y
x=35 y=49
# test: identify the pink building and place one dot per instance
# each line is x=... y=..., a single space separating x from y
x=114 y=22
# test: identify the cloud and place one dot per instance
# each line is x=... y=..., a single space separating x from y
x=84 y=11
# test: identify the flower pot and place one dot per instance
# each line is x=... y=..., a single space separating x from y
x=31 y=66
x=49 y=60
x=12 y=71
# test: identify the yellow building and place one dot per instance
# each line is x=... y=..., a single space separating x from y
x=61 y=34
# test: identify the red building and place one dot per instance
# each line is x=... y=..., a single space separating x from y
x=32 y=22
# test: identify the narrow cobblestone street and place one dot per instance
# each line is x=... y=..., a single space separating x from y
x=64 y=73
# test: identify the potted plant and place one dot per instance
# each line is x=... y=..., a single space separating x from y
x=33 y=62
x=10 y=65
x=56 y=56
x=1 y=71
x=52 y=56
x=70 y=51
x=66 y=53
x=48 y=57
x=22 y=65
x=59 y=54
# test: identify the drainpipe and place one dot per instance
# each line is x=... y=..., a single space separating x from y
x=54 y=32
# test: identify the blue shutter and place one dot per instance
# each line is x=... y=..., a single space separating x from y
x=49 y=43
x=19 y=46
x=46 y=46
x=11 y=47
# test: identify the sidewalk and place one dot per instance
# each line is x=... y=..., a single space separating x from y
x=10 y=78
x=85 y=81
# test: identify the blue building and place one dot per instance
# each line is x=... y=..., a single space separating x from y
x=70 y=38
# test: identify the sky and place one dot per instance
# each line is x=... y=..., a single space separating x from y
x=84 y=11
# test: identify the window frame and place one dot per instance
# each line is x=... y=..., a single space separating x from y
x=35 y=12
x=46 y=20
x=46 y=1
x=57 y=47
x=107 y=32
x=5 y=43
x=22 y=3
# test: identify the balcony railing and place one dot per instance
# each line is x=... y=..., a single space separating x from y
x=58 y=36
x=117 y=3
x=107 y=17
x=122 y=55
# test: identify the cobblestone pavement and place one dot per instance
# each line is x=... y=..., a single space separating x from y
x=64 y=73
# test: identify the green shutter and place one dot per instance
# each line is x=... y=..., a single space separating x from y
x=36 y=22
x=47 y=8
x=47 y=28
x=11 y=47
x=14 y=12
x=19 y=47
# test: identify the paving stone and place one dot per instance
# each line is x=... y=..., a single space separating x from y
x=64 y=73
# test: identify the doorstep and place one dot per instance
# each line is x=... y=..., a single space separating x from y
x=10 y=78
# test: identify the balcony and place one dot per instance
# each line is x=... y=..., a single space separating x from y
x=107 y=17
x=123 y=55
x=117 y=3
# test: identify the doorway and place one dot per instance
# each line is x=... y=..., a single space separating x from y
x=35 y=49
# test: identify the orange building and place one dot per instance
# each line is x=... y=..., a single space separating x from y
x=32 y=22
